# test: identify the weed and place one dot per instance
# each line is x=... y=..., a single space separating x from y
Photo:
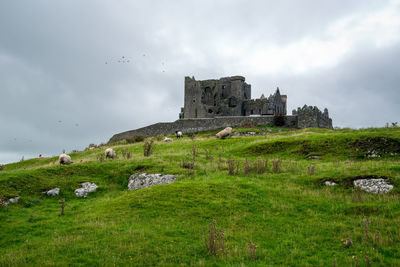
x=219 y=161
x=207 y=151
x=148 y=148
x=310 y=170
x=247 y=166
x=261 y=165
x=367 y=263
x=187 y=164
x=377 y=238
x=356 y=195
x=277 y=165
x=194 y=152
x=356 y=260
x=31 y=217
x=62 y=206
x=231 y=166
x=366 y=227
x=252 y=250
x=214 y=239
x=100 y=158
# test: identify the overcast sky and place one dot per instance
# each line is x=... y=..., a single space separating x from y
x=65 y=79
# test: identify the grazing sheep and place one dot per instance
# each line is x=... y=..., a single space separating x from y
x=166 y=139
x=179 y=134
x=110 y=153
x=64 y=159
x=41 y=156
x=224 y=133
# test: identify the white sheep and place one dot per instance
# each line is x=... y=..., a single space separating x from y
x=166 y=139
x=224 y=133
x=179 y=134
x=64 y=159
x=110 y=153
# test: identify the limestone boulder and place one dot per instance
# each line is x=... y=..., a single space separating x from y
x=85 y=189
x=52 y=192
x=143 y=180
x=374 y=186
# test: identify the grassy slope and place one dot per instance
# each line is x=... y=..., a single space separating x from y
x=293 y=218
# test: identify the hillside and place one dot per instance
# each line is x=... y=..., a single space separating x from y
x=282 y=204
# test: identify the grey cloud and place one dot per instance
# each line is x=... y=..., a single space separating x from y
x=53 y=55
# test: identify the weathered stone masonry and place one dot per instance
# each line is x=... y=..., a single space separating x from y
x=215 y=104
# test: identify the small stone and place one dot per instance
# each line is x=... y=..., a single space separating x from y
x=9 y=201
x=52 y=192
x=85 y=189
x=143 y=180
x=330 y=183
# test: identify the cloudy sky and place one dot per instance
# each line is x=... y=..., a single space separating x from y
x=76 y=72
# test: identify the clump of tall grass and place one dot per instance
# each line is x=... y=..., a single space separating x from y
x=247 y=166
x=356 y=195
x=214 y=239
x=311 y=170
x=277 y=165
x=62 y=206
x=252 y=250
x=100 y=158
x=148 y=148
x=233 y=166
x=261 y=165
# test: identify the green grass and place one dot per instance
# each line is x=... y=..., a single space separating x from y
x=292 y=217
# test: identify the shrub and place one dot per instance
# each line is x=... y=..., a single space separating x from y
x=135 y=139
x=279 y=120
x=148 y=148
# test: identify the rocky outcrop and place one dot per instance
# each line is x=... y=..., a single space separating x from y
x=143 y=180
x=374 y=186
x=85 y=189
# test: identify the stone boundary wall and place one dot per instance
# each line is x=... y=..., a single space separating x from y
x=201 y=124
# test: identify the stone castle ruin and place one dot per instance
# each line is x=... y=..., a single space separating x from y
x=229 y=96
x=215 y=104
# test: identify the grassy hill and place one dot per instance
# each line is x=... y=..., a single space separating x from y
x=275 y=198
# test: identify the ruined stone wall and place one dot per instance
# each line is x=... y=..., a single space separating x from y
x=201 y=124
x=312 y=117
x=212 y=98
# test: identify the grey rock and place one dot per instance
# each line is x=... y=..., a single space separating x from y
x=330 y=183
x=52 y=192
x=10 y=201
x=374 y=186
x=85 y=189
x=143 y=180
